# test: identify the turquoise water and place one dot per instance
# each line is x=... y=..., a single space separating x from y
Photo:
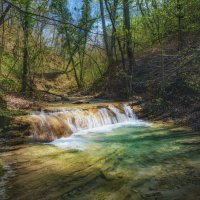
x=156 y=163
x=142 y=144
x=127 y=162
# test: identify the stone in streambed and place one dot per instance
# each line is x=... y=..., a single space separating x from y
x=81 y=102
x=58 y=98
x=65 y=98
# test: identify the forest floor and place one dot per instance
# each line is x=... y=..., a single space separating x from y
x=179 y=100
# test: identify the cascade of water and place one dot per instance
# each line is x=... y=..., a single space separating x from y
x=129 y=112
x=49 y=126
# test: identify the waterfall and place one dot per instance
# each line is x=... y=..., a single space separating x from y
x=53 y=125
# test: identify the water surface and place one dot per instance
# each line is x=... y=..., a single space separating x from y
x=128 y=162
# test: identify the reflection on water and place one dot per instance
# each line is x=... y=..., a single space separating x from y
x=128 y=162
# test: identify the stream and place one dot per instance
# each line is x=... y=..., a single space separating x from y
x=109 y=154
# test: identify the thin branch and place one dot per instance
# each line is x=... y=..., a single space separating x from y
x=51 y=19
x=4 y=14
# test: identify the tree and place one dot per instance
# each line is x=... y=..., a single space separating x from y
x=86 y=24
x=105 y=34
x=26 y=25
x=112 y=11
x=129 y=43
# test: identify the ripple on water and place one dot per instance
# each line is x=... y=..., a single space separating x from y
x=125 y=163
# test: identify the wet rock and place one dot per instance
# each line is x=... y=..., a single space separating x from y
x=81 y=102
x=134 y=103
x=65 y=98
x=152 y=195
x=58 y=98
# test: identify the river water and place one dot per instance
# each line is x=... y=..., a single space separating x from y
x=128 y=159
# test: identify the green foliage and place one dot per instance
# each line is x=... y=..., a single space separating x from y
x=1 y=169
x=2 y=102
x=159 y=19
x=160 y=102
x=8 y=84
x=193 y=86
x=185 y=86
x=55 y=46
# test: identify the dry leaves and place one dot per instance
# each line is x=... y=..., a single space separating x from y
x=17 y=102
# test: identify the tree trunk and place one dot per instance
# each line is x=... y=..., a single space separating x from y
x=180 y=18
x=129 y=45
x=113 y=22
x=25 y=68
x=73 y=62
x=25 y=61
x=75 y=74
x=109 y=56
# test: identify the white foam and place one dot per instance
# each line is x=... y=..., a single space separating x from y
x=75 y=141
x=71 y=142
